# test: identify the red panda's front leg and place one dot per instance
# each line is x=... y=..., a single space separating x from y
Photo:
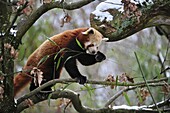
x=71 y=68
x=90 y=59
x=85 y=59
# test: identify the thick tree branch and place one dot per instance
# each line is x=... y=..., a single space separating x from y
x=22 y=29
x=66 y=81
x=120 y=27
x=21 y=103
x=74 y=97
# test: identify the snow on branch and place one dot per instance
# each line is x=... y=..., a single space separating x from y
x=122 y=18
x=74 y=97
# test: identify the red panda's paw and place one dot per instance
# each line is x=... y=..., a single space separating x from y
x=82 y=79
x=100 y=57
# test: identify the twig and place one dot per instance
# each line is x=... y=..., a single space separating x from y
x=125 y=83
x=168 y=68
x=115 y=96
x=67 y=106
x=146 y=81
x=161 y=60
x=44 y=8
x=15 y=17
x=166 y=54
x=160 y=104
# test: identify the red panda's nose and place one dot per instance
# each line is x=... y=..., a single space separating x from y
x=93 y=52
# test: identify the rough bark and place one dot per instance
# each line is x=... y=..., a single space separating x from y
x=120 y=28
x=7 y=63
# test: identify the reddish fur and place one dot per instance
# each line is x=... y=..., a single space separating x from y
x=62 y=40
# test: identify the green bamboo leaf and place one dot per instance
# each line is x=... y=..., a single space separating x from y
x=66 y=86
x=54 y=70
x=79 y=44
x=117 y=79
x=58 y=63
x=168 y=81
x=49 y=99
x=71 y=57
x=127 y=98
x=51 y=40
x=68 y=58
x=43 y=60
x=89 y=89
x=61 y=50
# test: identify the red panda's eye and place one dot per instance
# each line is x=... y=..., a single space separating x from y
x=91 y=45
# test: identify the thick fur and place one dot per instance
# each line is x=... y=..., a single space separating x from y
x=74 y=52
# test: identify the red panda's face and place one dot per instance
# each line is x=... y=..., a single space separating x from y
x=94 y=40
x=91 y=47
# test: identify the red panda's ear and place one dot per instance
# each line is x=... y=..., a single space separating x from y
x=88 y=31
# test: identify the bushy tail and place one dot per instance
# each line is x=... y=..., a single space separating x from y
x=20 y=81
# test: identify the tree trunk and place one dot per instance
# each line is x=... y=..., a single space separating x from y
x=7 y=63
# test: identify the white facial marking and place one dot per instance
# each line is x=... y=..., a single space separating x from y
x=91 y=48
x=95 y=40
x=105 y=39
x=87 y=31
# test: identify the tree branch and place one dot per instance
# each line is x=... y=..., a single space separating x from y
x=15 y=17
x=161 y=104
x=21 y=103
x=121 y=27
x=126 y=89
x=66 y=81
x=44 y=8
x=74 y=97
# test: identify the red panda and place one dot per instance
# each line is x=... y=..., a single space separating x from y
x=80 y=44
